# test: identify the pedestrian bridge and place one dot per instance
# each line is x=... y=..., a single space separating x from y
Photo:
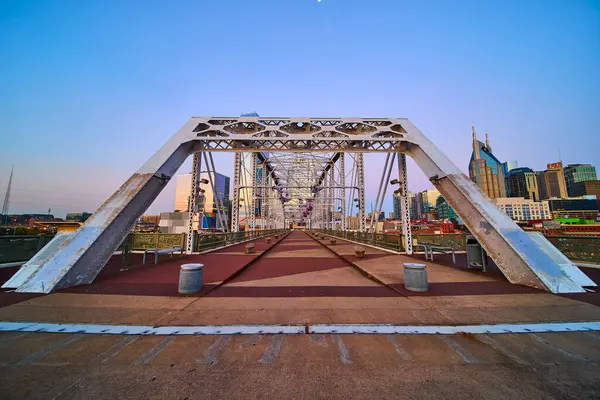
x=296 y=173
x=298 y=303
x=322 y=282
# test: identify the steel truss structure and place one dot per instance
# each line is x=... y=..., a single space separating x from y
x=299 y=173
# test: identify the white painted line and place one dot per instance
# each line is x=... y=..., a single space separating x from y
x=344 y=352
x=461 y=351
x=272 y=351
x=44 y=352
x=399 y=349
x=151 y=330
x=501 y=349
x=558 y=349
x=116 y=349
x=454 y=329
x=211 y=356
x=151 y=355
x=542 y=327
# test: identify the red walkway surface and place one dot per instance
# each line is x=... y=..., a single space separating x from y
x=497 y=285
x=299 y=267
x=155 y=280
x=592 y=297
x=295 y=266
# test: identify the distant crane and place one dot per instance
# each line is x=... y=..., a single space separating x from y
x=7 y=196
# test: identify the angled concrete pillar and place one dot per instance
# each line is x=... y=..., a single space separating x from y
x=80 y=258
x=515 y=253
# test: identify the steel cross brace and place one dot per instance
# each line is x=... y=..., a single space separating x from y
x=77 y=259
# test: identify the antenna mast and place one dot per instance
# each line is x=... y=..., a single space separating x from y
x=7 y=196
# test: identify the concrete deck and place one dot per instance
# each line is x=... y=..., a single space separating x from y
x=531 y=366
x=298 y=280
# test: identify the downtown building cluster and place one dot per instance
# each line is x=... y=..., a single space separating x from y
x=560 y=194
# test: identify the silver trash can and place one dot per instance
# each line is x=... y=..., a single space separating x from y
x=191 y=278
x=476 y=255
x=415 y=277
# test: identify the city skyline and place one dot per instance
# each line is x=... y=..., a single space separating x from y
x=107 y=99
x=168 y=197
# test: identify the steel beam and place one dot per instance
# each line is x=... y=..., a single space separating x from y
x=253 y=191
x=331 y=207
x=235 y=203
x=360 y=173
x=342 y=191
x=404 y=205
x=193 y=203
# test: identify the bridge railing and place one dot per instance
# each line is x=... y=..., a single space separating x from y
x=577 y=248
x=21 y=247
x=207 y=241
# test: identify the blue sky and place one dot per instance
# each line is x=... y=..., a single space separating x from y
x=89 y=90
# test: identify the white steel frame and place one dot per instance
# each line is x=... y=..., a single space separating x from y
x=80 y=257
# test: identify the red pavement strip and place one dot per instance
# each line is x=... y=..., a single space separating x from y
x=274 y=267
x=499 y=286
x=161 y=279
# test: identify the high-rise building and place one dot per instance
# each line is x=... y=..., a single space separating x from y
x=183 y=191
x=521 y=209
x=444 y=210
x=575 y=207
x=485 y=169
x=412 y=203
x=412 y=206
x=212 y=198
x=353 y=223
x=551 y=182
x=586 y=188
x=397 y=208
x=509 y=166
x=578 y=173
x=425 y=202
x=523 y=182
x=245 y=192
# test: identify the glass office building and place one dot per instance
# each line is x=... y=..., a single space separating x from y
x=578 y=173
x=486 y=170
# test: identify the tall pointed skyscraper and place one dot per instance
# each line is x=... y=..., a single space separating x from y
x=485 y=169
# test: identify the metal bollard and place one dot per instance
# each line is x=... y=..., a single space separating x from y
x=191 y=278
x=359 y=251
x=415 y=277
